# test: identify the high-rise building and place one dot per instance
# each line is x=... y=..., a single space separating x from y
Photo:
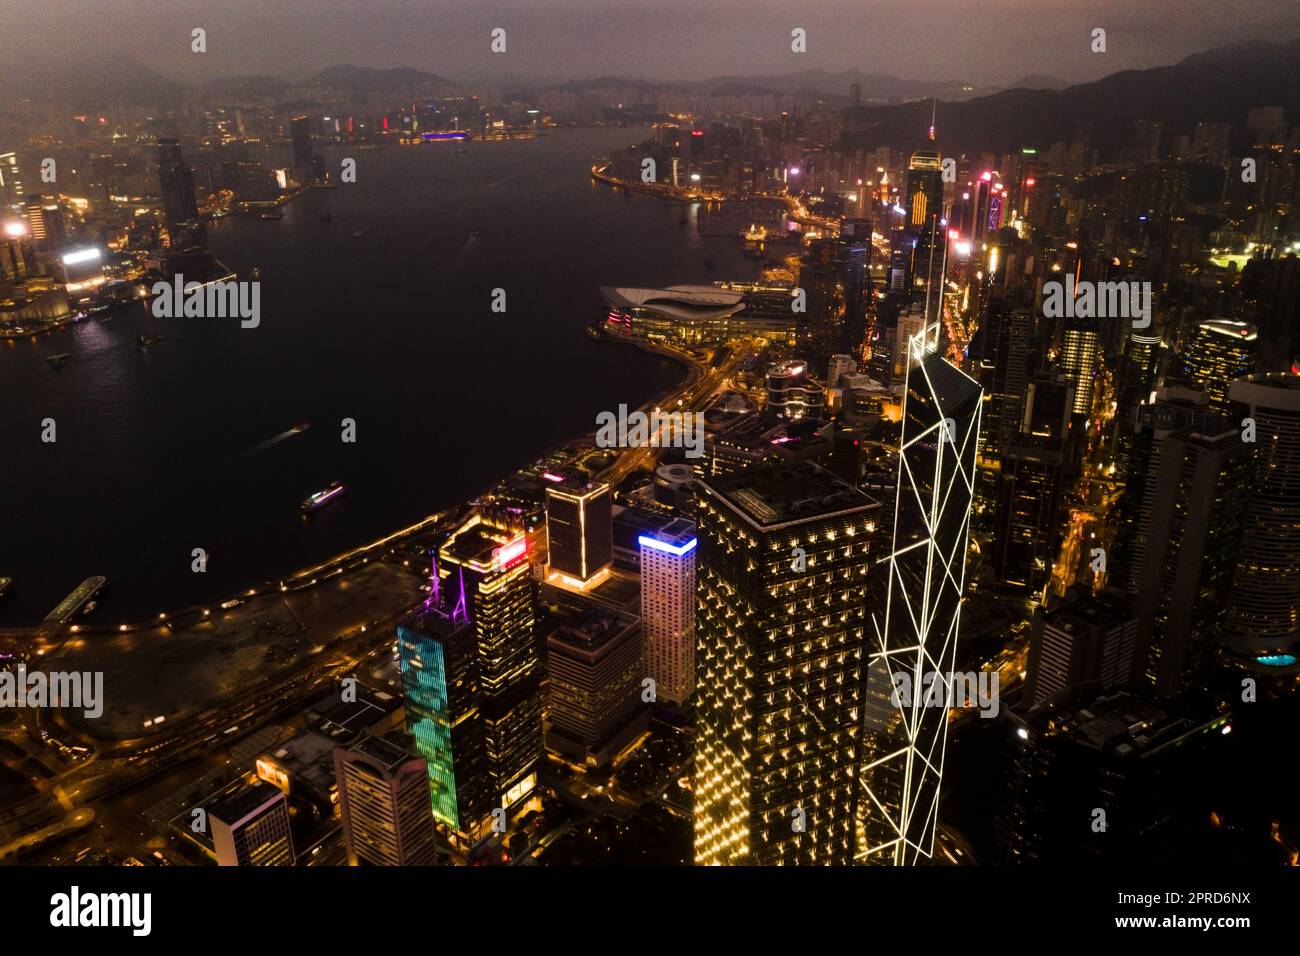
x=1221 y=351
x=1029 y=512
x=12 y=198
x=903 y=760
x=785 y=561
x=488 y=565
x=177 y=182
x=668 y=608
x=384 y=801
x=1083 y=640
x=251 y=828
x=594 y=704
x=791 y=393
x=1263 y=621
x=438 y=661
x=1080 y=352
x=301 y=130
x=1192 y=525
x=579 y=536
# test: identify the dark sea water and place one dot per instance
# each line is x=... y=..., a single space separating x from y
x=381 y=315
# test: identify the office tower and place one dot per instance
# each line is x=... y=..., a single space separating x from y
x=1083 y=640
x=438 y=661
x=785 y=559
x=839 y=365
x=176 y=180
x=903 y=760
x=579 y=536
x=594 y=706
x=853 y=251
x=1049 y=401
x=11 y=183
x=1080 y=352
x=1211 y=143
x=488 y=564
x=668 y=608
x=1221 y=351
x=1007 y=333
x=1270 y=290
x=301 y=131
x=929 y=239
x=924 y=189
x=1174 y=409
x=45 y=224
x=1263 y=620
x=251 y=828
x=819 y=329
x=1134 y=759
x=1029 y=512
x=384 y=801
x=1191 y=526
x=790 y=392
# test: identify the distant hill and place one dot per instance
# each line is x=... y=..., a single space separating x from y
x=1039 y=81
x=367 y=80
x=1220 y=85
x=92 y=82
x=875 y=86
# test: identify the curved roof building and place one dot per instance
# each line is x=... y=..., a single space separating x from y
x=693 y=314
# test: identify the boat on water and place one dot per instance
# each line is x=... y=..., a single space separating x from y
x=320 y=499
x=5 y=584
x=255 y=273
x=300 y=427
x=272 y=214
x=148 y=340
x=90 y=606
x=60 y=360
x=595 y=332
x=476 y=233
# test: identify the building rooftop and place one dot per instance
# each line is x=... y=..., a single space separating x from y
x=689 y=302
x=234 y=807
x=787 y=493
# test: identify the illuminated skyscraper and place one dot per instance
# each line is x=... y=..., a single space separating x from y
x=500 y=597
x=438 y=659
x=1221 y=351
x=1080 y=352
x=668 y=609
x=902 y=762
x=579 y=530
x=780 y=651
x=790 y=392
x=11 y=183
x=384 y=801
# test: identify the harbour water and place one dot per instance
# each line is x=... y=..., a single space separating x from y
x=380 y=314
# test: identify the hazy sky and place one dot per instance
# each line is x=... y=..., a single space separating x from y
x=984 y=41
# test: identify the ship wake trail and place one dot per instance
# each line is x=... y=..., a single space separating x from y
x=253 y=450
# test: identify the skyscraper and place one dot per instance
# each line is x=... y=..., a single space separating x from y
x=251 y=828
x=177 y=182
x=903 y=760
x=1263 y=620
x=500 y=596
x=1192 y=525
x=1083 y=640
x=668 y=609
x=384 y=801
x=781 y=640
x=11 y=183
x=593 y=692
x=579 y=536
x=438 y=661
x=1221 y=351
x=1080 y=351
x=301 y=130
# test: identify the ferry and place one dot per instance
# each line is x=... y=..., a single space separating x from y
x=476 y=233
x=60 y=360
x=148 y=340
x=5 y=584
x=300 y=427
x=321 y=498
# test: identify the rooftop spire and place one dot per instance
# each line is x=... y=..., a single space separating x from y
x=934 y=104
